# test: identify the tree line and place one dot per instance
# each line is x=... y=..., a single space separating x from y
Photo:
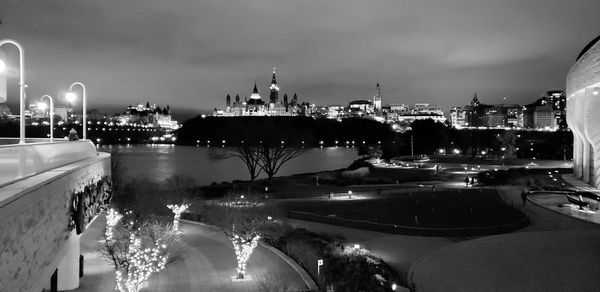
x=292 y=130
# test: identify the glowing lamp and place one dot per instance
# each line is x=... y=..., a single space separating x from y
x=71 y=96
x=42 y=106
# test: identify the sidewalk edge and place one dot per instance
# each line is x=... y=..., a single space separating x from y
x=310 y=283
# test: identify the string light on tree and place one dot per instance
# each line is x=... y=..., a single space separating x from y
x=177 y=210
x=142 y=263
x=243 y=249
x=112 y=218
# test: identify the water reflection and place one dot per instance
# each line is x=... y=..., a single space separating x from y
x=158 y=162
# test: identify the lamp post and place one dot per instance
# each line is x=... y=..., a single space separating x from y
x=51 y=114
x=21 y=85
x=71 y=96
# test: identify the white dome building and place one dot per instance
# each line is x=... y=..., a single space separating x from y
x=583 y=112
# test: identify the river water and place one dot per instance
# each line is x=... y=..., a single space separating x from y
x=158 y=162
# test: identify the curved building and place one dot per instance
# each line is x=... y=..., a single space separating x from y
x=583 y=104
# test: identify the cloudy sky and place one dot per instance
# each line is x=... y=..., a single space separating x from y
x=192 y=53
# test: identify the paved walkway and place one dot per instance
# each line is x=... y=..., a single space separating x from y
x=206 y=263
x=554 y=253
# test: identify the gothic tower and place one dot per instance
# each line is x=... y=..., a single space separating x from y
x=228 y=101
x=274 y=89
x=475 y=101
x=377 y=98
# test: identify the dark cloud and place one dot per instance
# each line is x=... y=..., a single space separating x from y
x=191 y=53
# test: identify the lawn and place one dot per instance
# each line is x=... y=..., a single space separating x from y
x=441 y=209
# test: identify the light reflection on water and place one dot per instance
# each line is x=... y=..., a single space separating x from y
x=158 y=162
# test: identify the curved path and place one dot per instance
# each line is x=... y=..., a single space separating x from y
x=524 y=261
x=205 y=263
x=554 y=253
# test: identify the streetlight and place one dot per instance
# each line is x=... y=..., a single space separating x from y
x=42 y=105
x=70 y=96
x=21 y=85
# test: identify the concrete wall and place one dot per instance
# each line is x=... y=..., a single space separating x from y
x=20 y=161
x=583 y=106
x=35 y=235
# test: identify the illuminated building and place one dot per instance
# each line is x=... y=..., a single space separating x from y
x=547 y=112
x=150 y=115
x=458 y=117
x=477 y=114
x=63 y=112
x=377 y=99
x=420 y=111
x=360 y=108
x=256 y=106
x=558 y=100
x=543 y=117
x=583 y=102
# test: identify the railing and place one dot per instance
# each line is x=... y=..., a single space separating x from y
x=18 y=161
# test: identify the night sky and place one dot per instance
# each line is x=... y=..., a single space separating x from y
x=192 y=53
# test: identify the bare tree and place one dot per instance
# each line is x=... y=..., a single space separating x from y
x=272 y=157
x=248 y=154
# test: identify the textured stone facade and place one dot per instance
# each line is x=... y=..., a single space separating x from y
x=583 y=104
x=36 y=223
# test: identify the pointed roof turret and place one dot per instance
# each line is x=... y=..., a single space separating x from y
x=255 y=89
x=475 y=101
x=255 y=96
x=273 y=80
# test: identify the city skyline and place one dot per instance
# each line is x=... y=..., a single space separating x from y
x=191 y=54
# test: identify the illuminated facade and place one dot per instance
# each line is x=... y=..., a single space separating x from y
x=583 y=101
x=150 y=115
x=477 y=114
x=458 y=117
x=377 y=99
x=256 y=106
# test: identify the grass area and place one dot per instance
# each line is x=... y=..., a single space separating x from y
x=546 y=179
x=301 y=185
x=441 y=209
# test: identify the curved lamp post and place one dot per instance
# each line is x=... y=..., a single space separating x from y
x=51 y=114
x=21 y=85
x=71 y=97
